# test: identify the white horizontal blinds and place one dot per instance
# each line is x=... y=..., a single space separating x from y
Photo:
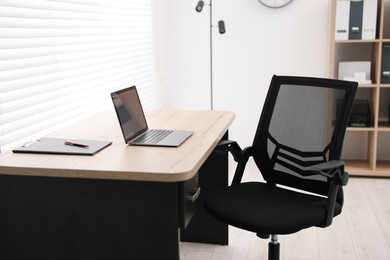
x=60 y=59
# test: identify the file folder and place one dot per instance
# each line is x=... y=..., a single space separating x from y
x=58 y=146
x=342 y=19
x=385 y=69
x=355 y=20
x=370 y=10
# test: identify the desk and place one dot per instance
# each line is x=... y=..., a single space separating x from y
x=125 y=202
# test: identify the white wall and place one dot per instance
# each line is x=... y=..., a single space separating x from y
x=258 y=43
x=182 y=51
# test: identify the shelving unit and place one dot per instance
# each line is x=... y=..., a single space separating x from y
x=366 y=149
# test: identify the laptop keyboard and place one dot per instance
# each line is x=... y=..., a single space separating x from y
x=153 y=136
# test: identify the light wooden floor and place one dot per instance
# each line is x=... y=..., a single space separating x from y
x=361 y=232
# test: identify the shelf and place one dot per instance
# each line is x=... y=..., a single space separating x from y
x=368 y=85
x=382 y=168
x=363 y=168
x=357 y=41
x=361 y=41
x=366 y=150
x=358 y=167
x=360 y=129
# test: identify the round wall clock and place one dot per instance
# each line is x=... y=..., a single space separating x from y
x=275 y=3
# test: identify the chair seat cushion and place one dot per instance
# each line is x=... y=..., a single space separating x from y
x=263 y=208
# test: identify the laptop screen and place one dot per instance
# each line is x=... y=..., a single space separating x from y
x=129 y=111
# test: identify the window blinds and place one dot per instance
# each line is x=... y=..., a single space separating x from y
x=60 y=59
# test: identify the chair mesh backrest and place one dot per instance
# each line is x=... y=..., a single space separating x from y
x=303 y=123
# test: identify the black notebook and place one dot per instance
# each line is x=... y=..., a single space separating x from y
x=63 y=146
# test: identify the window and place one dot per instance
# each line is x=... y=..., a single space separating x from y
x=60 y=59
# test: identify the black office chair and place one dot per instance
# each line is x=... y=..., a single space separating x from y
x=297 y=148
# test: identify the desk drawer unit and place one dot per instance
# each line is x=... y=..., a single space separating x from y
x=203 y=228
x=189 y=203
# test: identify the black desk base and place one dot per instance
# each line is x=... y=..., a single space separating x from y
x=64 y=218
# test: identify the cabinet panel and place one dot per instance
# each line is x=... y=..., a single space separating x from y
x=384 y=106
x=356 y=146
x=383 y=148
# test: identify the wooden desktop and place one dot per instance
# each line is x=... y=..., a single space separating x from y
x=125 y=202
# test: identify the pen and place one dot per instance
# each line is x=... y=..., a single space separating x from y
x=76 y=144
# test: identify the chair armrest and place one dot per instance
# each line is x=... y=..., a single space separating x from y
x=226 y=146
x=241 y=156
x=332 y=169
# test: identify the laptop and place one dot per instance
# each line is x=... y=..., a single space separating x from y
x=134 y=126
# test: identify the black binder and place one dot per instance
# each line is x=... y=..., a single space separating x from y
x=355 y=20
x=385 y=69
